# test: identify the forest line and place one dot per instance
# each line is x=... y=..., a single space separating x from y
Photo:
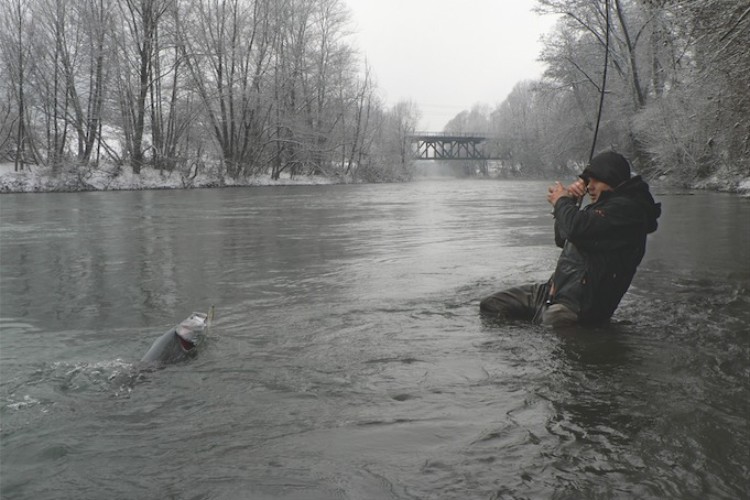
x=242 y=87
x=247 y=88
x=676 y=101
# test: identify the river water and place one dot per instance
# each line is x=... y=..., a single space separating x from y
x=348 y=359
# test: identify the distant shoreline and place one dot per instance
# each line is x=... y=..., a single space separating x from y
x=39 y=180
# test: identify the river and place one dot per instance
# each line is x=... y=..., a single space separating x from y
x=347 y=358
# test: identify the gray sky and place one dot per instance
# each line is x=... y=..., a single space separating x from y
x=447 y=55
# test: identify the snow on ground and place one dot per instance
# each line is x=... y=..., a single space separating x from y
x=36 y=179
x=723 y=183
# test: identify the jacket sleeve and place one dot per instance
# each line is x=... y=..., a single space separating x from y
x=559 y=240
x=599 y=221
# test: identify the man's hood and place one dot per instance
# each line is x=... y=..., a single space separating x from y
x=637 y=189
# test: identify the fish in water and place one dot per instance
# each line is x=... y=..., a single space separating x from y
x=180 y=342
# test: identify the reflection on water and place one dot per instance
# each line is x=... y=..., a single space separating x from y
x=348 y=358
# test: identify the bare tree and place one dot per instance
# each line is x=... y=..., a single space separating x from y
x=476 y=121
x=400 y=124
x=50 y=80
x=79 y=67
x=699 y=124
x=7 y=117
x=228 y=56
x=16 y=43
x=136 y=44
x=361 y=140
x=171 y=108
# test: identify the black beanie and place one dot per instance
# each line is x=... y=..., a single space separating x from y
x=608 y=167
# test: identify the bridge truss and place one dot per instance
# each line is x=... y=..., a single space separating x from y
x=438 y=146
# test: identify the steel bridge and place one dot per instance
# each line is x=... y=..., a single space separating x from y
x=446 y=146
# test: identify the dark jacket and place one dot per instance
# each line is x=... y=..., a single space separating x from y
x=602 y=247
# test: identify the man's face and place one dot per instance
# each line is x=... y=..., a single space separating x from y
x=596 y=187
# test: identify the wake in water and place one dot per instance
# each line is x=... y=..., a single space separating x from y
x=46 y=385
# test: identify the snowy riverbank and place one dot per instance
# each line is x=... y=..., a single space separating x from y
x=722 y=184
x=35 y=179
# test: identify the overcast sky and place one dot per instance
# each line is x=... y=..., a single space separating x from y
x=447 y=55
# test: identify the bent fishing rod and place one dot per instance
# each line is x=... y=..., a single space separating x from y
x=603 y=87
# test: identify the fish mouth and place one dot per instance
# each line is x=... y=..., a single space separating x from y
x=186 y=344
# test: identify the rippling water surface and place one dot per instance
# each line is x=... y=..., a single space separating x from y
x=348 y=359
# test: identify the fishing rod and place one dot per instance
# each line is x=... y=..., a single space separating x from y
x=603 y=87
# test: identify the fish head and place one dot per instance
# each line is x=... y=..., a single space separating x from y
x=192 y=331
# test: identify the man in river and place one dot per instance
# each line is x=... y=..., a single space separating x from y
x=602 y=247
